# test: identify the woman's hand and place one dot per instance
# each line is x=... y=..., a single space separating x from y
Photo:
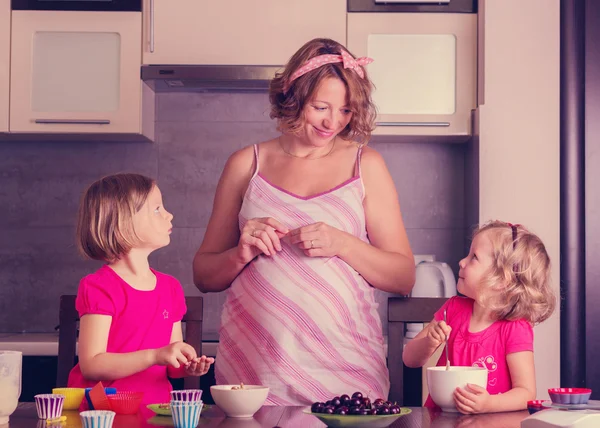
x=175 y=355
x=438 y=332
x=198 y=366
x=260 y=235
x=472 y=399
x=318 y=240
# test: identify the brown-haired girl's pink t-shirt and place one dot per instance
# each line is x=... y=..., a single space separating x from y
x=140 y=320
x=487 y=348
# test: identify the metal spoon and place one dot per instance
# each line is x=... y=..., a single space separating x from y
x=447 y=357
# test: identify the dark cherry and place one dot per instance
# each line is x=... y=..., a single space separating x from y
x=336 y=402
x=344 y=399
x=394 y=410
x=373 y=411
x=354 y=410
x=364 y=412
x=340 y=411
x=378 y=402
x=328 y=403
x=317 y=407
x=383 y=411
x=328 y=410
x=366 y=401
x=355 y=402
x=357 y=395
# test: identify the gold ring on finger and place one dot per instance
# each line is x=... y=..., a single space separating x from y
x=254 y=233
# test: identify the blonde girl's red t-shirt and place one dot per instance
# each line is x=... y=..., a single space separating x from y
x=487 y=348
x=140 y=320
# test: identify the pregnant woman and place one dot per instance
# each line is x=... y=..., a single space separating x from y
x=303 y=228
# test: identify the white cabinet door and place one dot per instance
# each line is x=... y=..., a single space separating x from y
x=424 y=70
x=251 y=32
x=76 y=72
x=4 y=62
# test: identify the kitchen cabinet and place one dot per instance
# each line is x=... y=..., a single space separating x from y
x=4 y=62
x=77 y=72
x=425 y=70
x=267 y=32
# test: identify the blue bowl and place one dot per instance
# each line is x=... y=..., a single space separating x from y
x=569 y=395
x=107 y=391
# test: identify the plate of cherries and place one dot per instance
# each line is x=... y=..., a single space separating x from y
x=357 y=411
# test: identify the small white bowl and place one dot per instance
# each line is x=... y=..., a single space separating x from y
x=239 y=403
x=442 y=383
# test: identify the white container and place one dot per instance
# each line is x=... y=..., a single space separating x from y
x=432 y=279
x=10 y=383
x=442 y=383
x=554 y=418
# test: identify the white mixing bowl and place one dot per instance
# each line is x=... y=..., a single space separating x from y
x=442 y=383
x=239 y=403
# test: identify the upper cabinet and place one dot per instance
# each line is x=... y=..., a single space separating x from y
x=424 y=70
x=4 y=62
x=76 y=72
x=265 y=32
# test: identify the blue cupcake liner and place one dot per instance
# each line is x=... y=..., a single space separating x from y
x=186 y=414
x=97 y=418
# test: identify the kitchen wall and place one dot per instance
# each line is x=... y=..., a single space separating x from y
x=592 y=196
x=519 y=152
x=41 y=183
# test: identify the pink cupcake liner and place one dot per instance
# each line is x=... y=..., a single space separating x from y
x=186 y=395
x=49 y=406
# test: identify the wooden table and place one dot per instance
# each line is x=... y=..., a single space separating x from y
x=270 y=416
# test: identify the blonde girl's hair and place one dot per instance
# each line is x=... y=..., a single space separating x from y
x=105 y=219
x=287 y=107
x=518 y=283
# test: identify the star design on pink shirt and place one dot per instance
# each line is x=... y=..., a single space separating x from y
x=165 y=314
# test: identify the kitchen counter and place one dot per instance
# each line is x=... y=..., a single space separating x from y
x=285 y=417
x=46 y=344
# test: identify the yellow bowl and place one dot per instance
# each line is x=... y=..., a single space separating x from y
x=73 y=397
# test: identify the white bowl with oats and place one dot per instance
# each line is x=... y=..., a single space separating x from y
x=239 y=401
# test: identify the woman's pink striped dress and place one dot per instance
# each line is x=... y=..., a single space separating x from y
x=307 y=327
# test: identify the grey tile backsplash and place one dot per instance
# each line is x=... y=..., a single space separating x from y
x=41 y=183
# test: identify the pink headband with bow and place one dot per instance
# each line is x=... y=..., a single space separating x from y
x=318 y=61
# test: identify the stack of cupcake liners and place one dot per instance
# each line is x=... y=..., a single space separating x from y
x=186 y=407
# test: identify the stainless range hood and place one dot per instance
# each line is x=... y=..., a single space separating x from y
x=209 y=78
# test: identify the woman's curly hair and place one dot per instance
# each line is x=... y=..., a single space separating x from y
x=518 y=283
x=287 y=107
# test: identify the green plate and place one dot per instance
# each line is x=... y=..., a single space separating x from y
x=358 y=421
x=159 y=410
